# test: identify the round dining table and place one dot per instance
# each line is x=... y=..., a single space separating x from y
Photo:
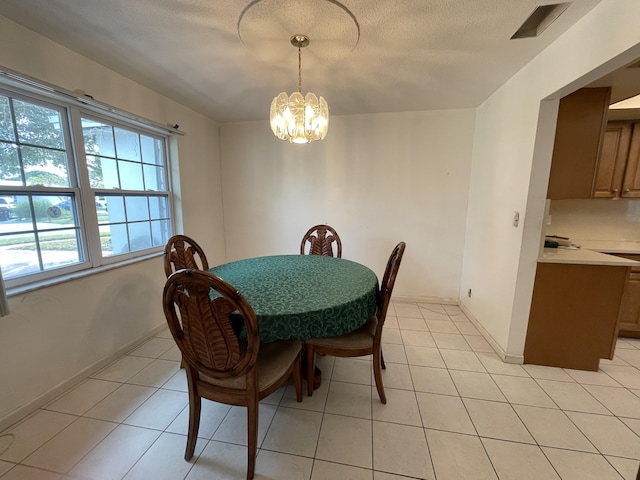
x=303 y=296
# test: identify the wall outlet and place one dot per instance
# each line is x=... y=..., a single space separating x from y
x=516 y=218
x=469 y=293
x=548 y=222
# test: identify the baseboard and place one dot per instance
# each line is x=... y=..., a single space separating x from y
x=26 y=410
x=505 y=357
x=440 y=300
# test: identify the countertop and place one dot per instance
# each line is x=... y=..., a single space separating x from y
x=583 y=256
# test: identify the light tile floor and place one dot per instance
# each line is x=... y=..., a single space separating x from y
x=454 y=412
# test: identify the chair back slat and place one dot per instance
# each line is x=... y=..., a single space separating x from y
x=208 y=330
x=205 y=315
x=321 y=239
x=182 y=252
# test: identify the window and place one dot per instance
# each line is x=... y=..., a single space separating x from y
x=77 y=191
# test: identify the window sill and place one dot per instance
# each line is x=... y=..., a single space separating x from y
x=75 y=275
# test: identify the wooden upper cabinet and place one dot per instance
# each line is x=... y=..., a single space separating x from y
x=582 y=119
x=613 y=160
x=618 y=171
x=631 y=182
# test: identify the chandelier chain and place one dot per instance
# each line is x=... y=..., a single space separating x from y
x=299 y=70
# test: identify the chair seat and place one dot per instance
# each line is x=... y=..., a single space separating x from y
x=273 y=361
x=358 y=339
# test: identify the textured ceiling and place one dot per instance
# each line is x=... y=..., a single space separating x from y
x=410 y=54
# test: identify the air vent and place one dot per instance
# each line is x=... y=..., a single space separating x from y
x=540 y=19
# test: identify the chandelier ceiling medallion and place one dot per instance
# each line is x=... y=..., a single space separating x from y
x=262 y=27
x=298 y=118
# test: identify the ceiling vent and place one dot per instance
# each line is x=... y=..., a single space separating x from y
x=540 y=19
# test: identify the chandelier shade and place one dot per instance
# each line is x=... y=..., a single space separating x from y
x=297 y=118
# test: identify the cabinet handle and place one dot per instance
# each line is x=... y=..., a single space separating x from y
x=614 y=191
x=627 y=190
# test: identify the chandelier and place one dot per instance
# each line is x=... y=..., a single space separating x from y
x=297 y=118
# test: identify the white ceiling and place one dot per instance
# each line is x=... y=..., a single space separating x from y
x=410 y=55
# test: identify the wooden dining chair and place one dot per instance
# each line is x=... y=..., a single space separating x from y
x=321 y=239
x=367 y=339
x=183 y=252
x=203 y=312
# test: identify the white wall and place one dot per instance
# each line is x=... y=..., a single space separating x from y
x=55 y=333
x=511 y=160
x=377 y=179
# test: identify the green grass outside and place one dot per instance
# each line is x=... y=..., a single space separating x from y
x=56 y=241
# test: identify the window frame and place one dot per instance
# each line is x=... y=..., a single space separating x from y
x=91 y=259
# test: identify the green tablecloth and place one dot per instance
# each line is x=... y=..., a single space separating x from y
x=303 y=296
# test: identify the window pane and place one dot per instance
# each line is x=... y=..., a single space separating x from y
x=61 y=210
x=153 y=178
x=18 y=255
x=118 y=240
x=7 y=208
x=139 y=236
x=45 y=167
x=60 y=248
x=6 y=121
x=160 y=232
x=96 y=176
x=115 y=210
x=152 y=150
x=38 y=125
x=10 y=170
x=127 y=144
x=20 y=213
x=101 y=203
x=130 y=175
x=159 y=207
x=21 y=238
x=103 y=172
x=98 y=138
x=137 y=208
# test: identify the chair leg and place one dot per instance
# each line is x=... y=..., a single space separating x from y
x=377 y=373
x=297 y=377
x=252 y=435
x=195 y=404
x=310 y=369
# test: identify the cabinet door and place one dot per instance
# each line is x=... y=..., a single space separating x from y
x=631 y=184
x=612 y=161
x=582 y=120
x=630 y=304
x=630 y=307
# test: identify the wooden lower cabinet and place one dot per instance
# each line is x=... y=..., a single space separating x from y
x=630 y=305
x=573 y=321
x=630 y=309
